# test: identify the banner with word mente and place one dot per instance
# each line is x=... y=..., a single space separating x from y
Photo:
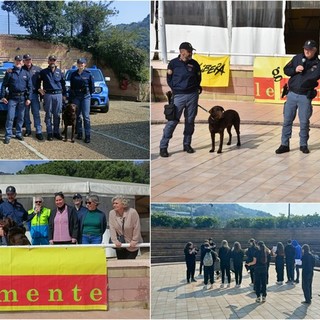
x=269 y=79
x=53 y=278
x=214 y=70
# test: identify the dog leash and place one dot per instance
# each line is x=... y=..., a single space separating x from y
x=203 y=108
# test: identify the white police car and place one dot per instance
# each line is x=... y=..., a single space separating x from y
x=100 y=97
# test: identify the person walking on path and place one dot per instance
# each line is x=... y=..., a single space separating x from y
x=304 y=73
x=308 y=263
x=184 y=78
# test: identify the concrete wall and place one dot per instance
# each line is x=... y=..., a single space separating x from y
x=10 y=46
x=241 y=86
x=167 y=244
x=128 y=283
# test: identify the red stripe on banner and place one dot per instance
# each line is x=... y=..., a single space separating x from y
x=52 y=290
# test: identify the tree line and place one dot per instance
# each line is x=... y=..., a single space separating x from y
x=160 y=219
x=85 y=25
x=125 y=171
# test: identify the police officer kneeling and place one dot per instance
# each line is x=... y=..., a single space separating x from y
x=19 y=84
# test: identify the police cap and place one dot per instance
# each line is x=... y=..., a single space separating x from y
x=187 y=46
x=18 y=58
x=310 y=44
x=77 y=196
x=27 y=56
x=82 y=60
x=11 y=189
x=52 y=57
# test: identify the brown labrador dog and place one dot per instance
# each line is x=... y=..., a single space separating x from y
x=220 y=120
x=14 y=235
x=69 y=117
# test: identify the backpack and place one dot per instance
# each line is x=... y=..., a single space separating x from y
x=208 y=260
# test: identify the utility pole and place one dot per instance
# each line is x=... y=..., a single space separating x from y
x=9 y=23
x=288 y=210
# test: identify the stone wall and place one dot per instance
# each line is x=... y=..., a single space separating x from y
x=241 y=87
x=128 y=283
x=10 y=46
x=167 y=244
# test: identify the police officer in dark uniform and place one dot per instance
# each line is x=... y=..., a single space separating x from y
x=54 y=91
x=81 y=89
x=304 y=72
x=19 y=84
x=184 y=78
x=12 y=208
x=35 y=102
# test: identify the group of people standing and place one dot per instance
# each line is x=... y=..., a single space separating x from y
x=24 y=85
x=256 y=259
x=75 y=224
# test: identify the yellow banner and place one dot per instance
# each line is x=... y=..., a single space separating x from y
x=269 y=79
x=214 y=70
x=53 y=278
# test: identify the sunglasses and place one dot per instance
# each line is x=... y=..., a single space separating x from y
x=38 y=202
x=88 y=202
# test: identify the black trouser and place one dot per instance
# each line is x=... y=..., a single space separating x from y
x=280 y=270
x=208 y=274
x=125 y=254
x=260 y=278
x=238 y=267
x=290 y=270
x=307 y=286
x=200 y=268
x=191 y=268
x=297 y=272
x=225 y=270
x=251 y=268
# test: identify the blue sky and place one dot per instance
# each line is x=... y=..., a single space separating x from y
x=129 y=11
x=16 y=165
x=276 y=208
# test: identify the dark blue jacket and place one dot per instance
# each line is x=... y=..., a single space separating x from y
x=17 y=81
x=14 y=210
x=302 y=82
x=81 y=83
x=34 y=74
x=103 y=223
x=52 y=80
x=185 y=77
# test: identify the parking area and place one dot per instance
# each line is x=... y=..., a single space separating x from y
x=122 y=133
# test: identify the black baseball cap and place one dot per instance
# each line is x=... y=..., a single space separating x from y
x=186 y=46
x=18 y=58
x=27 y=56
x=77 y=195
x=310 y=44
x=11 y=189
x=52 y=57
x=82 y=60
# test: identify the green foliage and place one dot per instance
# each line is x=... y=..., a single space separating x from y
x=42 y=19
x=239 y=223
x=263 y=223
x=137 y=172
x=206 y=222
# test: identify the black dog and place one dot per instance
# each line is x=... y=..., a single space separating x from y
x=69 y=117
x=219 y=120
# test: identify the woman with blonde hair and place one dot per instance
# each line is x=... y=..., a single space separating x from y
x=124 y=224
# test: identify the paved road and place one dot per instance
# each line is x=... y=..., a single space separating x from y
x=173 y=298
x=122 y=133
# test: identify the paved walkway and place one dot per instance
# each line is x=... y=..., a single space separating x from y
x=251 y=173
x=173 y=298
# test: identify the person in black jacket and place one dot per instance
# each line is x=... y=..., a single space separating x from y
x=224 y=256
x=184 y=78
x=304 y=73
x=202 y=253
x=279 y=262
x=260 y=263
x=237 y=255
x=250 y=252
x=63 y=222
x=190 y=257
x=290 y=252
x=308 y=263
x=208 y=270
